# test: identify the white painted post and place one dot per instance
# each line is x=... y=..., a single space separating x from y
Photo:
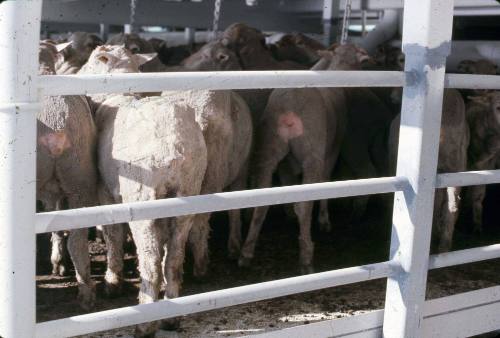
x=20 y=27
x=331 y=13
x=189 y=35
x=426 y=43
x=104 y=31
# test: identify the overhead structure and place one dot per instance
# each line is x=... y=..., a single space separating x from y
x=290 y=15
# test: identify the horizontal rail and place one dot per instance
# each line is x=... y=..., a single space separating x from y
x=126 y=316
x=464 y=315
x=112 y=319
x=470 y=81
x=154 y=82
x=467 y=178
x=171 y=207
x=464 y=256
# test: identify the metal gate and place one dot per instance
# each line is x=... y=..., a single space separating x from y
x=426 y=43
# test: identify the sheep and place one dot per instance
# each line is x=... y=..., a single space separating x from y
x=250 y=46
x=302 y=128
x=226 y=122
x=453 y=144
x=75 y=56
x=136 y=44
x=66 y=169
x=298 y=48
x=364 y=150
x=148 y=149
x=483 y=116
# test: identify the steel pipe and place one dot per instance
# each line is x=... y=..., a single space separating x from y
x=112 y=319
x=171 y=207
x=154 y=82
x=20 y=27
x=426 y=44
x=467 y=178
x=464 y=256
x=468 y=81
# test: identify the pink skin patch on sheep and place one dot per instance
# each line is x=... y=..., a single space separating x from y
x=290 y=126
x=56 y=142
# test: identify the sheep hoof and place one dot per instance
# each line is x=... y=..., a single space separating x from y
x=86 y=297
x=233 y=253
x=113 y=290
x=59 y=270
x=147 y=330
x=244 y=262
x=200 y=272
x=325 y=226
x=306 y=269
x=171 y=324
x=478 y=229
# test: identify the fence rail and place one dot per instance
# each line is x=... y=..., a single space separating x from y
x=154 y=82
x=171 y=207
x=116 y=318
x=467 y=314
x=406 y=313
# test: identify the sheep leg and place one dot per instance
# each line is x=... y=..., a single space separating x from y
x=147 y=238
x=114 y=236
x=477 y=194
x=174 y=261
x=269 y=153
x=57 y=256
x=449 y=214
x=198 y=241
x=234 y=241
x=287 y=178
x=324 y=214
x=79 y=251
x=312 y=172
x=259 y=214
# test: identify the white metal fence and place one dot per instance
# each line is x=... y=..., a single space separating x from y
x=426 y=42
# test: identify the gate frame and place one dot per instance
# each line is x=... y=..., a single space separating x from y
x=426 y=42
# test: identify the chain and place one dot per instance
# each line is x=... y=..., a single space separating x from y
x=215 y=25
x=345 y=23
x=133 y=5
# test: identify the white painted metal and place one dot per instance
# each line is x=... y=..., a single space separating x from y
x=331 y=13
x=426 y=43
x=385 y=30
x=472 y=81
x=366 y=325
x=111 y=319
x=462 y=315
x=126 y=212
x=148 y=82
x=468 y=178
x=464 y=256
x=189 y=34
x=20 y=29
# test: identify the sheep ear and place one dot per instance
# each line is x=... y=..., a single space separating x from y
x=62 y=46
x=141 y=59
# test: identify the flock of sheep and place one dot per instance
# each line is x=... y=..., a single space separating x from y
x=114 y=148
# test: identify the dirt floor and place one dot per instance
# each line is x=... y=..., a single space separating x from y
x=276 y=257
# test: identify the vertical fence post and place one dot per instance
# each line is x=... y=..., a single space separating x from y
x=331 y=13
x=426 y=44
x=20 y=30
